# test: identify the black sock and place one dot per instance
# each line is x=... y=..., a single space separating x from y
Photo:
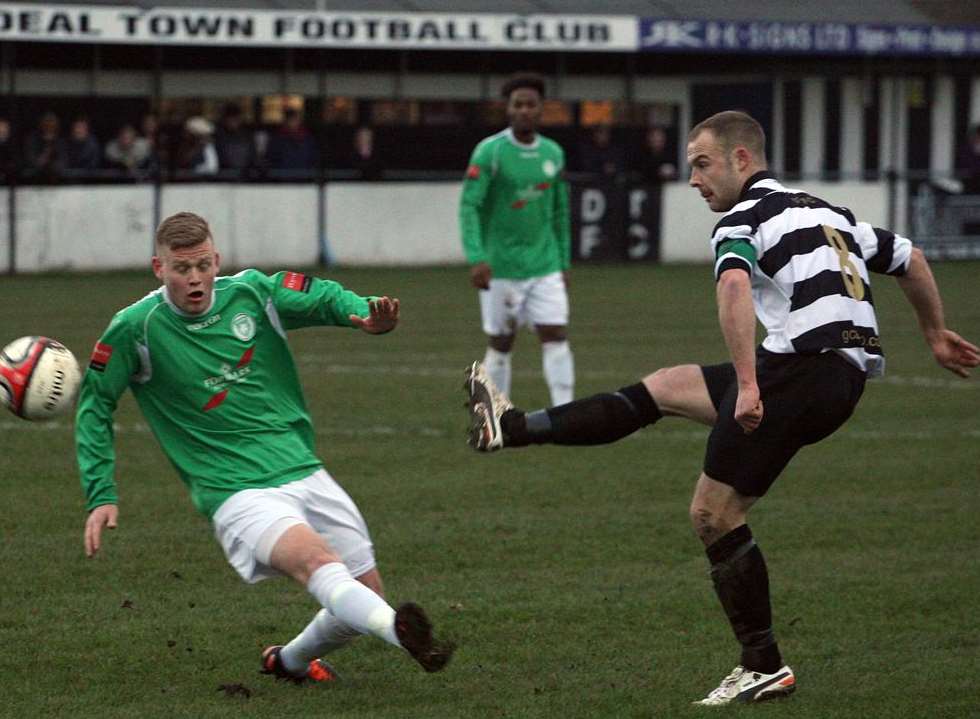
x=599 y=419
x=738 y=571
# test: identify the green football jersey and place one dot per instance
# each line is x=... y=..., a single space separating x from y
x=220 y=390
x=514 y=207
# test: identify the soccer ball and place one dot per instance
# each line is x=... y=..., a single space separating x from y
x=39 y=378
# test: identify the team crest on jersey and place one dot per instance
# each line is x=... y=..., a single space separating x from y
x=473 y=172
x=549 y=167
x=243 y=326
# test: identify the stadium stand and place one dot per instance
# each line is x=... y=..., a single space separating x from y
x=869 y=110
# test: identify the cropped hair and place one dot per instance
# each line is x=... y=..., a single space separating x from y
x=521 y=80
x=185 y=229
x=732 y=128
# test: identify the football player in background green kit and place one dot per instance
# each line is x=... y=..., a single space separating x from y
x=516 y=236
x=207 y=360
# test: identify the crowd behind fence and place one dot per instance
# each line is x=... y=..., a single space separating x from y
x=53 y=148
x=942 y=214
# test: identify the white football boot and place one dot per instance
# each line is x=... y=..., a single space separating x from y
x=486 y=404
x=745 y=685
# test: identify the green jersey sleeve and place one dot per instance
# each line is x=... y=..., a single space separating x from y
x=476 y=184
x=114 y=361
x=305 y=301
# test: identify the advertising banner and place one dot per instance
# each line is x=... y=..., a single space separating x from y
x=612 y=222
x=827 y=38
x=290 y=28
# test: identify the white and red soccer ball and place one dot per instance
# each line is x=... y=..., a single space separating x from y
x=39 y=378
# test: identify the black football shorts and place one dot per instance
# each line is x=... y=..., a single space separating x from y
x=804 y=399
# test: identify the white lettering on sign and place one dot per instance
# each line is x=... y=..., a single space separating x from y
x=283 y=28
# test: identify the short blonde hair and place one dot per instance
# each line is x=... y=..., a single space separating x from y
x=732 y=128
x=185 y=229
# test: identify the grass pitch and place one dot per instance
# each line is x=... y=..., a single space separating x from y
x=569 y=577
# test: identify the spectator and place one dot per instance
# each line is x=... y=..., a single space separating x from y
x=156 y=141
x=45 y=151
x=196 y=153
x=655 y=163
x=600 y=156
x=969 y=163
x=234 y=142
x=84 y=153
x=365 y=160
x=130 y=153
x=8 y=152
x=292 y=148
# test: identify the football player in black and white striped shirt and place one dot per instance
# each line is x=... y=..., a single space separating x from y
x=801 y=266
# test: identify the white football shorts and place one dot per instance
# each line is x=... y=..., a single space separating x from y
x=249 y=523
x=508 y=304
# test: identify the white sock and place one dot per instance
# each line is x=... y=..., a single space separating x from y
x=321 y=636
x=498 y=367
x=352 y=603
x=559 y=371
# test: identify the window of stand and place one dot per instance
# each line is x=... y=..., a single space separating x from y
x=557 y=113
x=176 y=109
x=395 y=112
x=273 y=107
x=339 y=111
x=623 y=114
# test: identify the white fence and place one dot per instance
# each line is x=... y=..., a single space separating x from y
x=254 y=225
x=271 y=226
x=82 y=227
x=393 y=223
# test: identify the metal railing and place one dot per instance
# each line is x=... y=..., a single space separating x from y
x=944 y=218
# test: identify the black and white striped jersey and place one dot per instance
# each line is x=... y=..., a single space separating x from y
x=809 y=263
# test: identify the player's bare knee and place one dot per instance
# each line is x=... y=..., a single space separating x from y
x=708 y=525
x=312 y=561
x=662 y=386
x=710 y=513
x=701 y=515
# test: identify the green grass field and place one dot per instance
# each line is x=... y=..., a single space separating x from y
x=569 y=577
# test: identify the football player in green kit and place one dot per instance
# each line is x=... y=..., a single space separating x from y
x=516 y=235
x=207 y=360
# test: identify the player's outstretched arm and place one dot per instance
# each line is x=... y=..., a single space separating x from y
x=950 y=350
x=102 y=517
x=383 y=316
